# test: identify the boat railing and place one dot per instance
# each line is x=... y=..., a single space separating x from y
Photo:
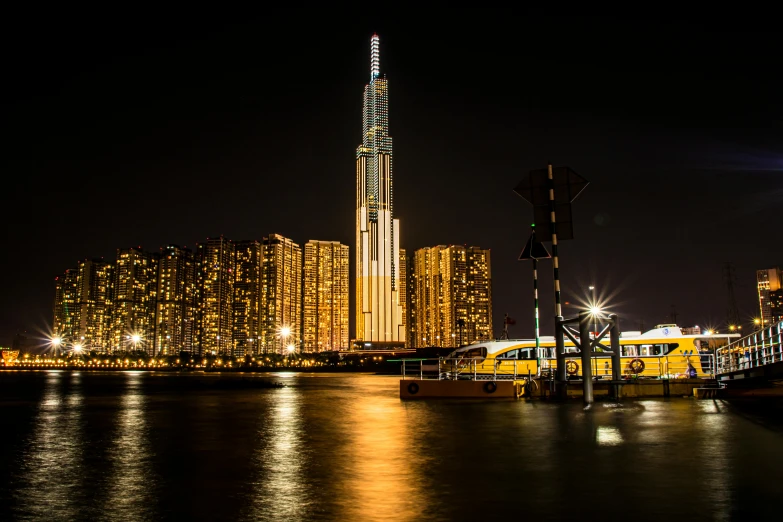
x=462 y=368
x=760 y=348
x=679 y=366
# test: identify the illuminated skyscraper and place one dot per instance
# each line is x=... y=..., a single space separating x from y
x=379 y=311
x=326 y=309
x=768 y=283
x=92 y=305
x=247 y=297
x=215 y=296
x=451 y=296
x=65 y=299
x=281 y=294
x=134 y=287
x=175 y=301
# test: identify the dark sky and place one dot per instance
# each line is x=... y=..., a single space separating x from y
x=144 y=129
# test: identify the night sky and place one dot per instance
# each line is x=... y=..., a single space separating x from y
x=148 y=129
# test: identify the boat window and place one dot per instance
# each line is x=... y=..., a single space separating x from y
x=670 y=347
x=629 y=350
x=479 y=352
x=519 y=353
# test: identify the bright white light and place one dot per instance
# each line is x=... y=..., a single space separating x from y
x=285 y=331
x=56 y=341
x=136 y=338
x=77 y=348
x=594 y=310
x=375 y=59
x=291 y=348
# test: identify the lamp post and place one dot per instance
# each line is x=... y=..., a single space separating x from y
x=593 y=307
x=56 y=342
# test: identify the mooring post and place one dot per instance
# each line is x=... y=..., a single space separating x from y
x=614 y=340
x=587 y=352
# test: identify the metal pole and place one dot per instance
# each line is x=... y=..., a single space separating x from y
x=560 y=349
x=552 y=222
x=584 y=341
x=535 y=305
x=614 y=345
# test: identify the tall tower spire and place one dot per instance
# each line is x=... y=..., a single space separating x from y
x=375 y=57
x=379 y=315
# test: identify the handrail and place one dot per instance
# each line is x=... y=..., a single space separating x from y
x=760 y=348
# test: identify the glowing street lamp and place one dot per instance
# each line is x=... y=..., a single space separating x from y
x=56 y=342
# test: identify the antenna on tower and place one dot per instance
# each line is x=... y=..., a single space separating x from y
x=674 y=315
x=732 y=313
x=375 y=57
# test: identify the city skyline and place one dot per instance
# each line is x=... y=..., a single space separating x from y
x=187 y=136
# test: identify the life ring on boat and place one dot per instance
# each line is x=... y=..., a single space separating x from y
x=572 y=367
x=413 y=388
x=490 y=387
x=636 y=366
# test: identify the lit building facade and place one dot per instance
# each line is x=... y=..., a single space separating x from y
x=215 y=296
x=281 y=294
x=325 y=298
x=768 y=284
x=247 y=297
x=451 y=298
x=65 y=298
x=93 y=300
x=174 y=318
x=132 y=321
x=379 y=312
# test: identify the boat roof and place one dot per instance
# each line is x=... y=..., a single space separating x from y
x=659 y=333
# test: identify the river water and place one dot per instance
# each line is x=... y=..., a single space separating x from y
x=149 y=446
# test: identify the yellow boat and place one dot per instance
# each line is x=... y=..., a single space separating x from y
x=664 y=352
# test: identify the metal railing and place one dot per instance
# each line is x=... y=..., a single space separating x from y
x=664 y=367
x=760 y=348
x=474 y=369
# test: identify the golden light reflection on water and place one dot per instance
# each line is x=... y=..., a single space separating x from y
x=129 y=454
x=279 y=493
x=53 y=459
x=385 y=478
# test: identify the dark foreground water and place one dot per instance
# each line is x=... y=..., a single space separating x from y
x=146 y=446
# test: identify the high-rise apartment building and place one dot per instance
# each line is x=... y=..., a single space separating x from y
x=247 y=297
x=174 y=319
x=379 y=313
x=768 y=283
x=281 y=295
x=325 y=299
x=451 y=296
x=215 y=296
x=132 y=323
x=93 y=300
x=65 y=299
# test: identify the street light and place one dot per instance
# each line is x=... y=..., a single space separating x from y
x=594 y=309
x=56 y=342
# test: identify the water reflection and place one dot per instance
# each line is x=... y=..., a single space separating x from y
x=131 y=479
x=281 y=491
x=344 y=447
x=52 y=461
